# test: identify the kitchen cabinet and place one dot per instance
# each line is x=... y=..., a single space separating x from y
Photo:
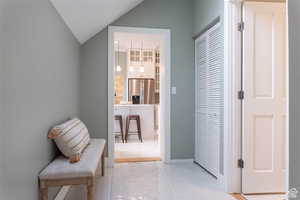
x=141 y=63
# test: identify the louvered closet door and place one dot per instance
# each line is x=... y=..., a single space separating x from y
x=209 y=100
x=215 y=98
x=201 y=101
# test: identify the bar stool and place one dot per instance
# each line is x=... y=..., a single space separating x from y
x=120 y=119
x=138 y=123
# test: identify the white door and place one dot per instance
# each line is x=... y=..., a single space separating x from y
x=201 y=156
x=209 y=99
x=264 y=105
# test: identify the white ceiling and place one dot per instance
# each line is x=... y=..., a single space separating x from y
x=86 y=18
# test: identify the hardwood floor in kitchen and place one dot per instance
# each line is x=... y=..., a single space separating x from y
x=136 y=151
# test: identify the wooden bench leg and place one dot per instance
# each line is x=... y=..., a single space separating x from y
x=102 y=164
x=90 y=189
x=43 y=191
x=90 y=192
x=44 y=194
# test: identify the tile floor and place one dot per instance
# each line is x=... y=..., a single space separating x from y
x=154 y=181
x=136 y=149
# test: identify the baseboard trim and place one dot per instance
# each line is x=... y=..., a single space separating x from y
x=127 y=160
x=63 y=192
x=207 y=171
x=181 y=161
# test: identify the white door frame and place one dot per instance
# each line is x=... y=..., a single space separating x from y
x=232 y=106
x=232 y=109
x=165 y=98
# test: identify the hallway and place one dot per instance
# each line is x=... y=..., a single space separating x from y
x=154 y=181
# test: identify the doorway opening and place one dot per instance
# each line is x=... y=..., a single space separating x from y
x=139 y=96
x=256 y=84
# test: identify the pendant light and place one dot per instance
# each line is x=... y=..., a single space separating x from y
x=131 y=69
x=118 y=68
x=142 y=68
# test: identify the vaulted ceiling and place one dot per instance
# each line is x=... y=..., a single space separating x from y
x=86 y=18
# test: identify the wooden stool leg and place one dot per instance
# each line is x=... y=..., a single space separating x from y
x=127 y=129
x=102 y=164
x=139 y=129
x=121 y=127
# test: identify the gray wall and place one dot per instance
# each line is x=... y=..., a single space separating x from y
x=206 y=11
x=1 y=100
x=41 y=88
x=175 y=15
x=294 y=49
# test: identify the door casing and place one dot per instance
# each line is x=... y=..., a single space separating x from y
x=165 y=99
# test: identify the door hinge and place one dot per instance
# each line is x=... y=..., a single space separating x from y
x=241 y=163
x=241 y=94
x=241 y=26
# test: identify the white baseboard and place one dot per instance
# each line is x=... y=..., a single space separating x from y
x=189 y=160
x=61 y=195
x=181 y=161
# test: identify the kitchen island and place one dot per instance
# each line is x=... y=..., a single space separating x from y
x=147 y=116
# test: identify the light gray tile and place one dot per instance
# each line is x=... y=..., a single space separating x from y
x=154 y=181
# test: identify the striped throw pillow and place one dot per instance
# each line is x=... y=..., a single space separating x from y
x=71 y=138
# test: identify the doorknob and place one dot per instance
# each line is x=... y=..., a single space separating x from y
x=293 y=193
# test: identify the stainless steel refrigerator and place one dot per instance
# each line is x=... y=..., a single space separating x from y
x=141 y=91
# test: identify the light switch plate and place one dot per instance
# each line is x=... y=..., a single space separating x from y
x=174 y=90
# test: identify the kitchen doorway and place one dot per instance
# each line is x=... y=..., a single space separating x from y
x=138 y=95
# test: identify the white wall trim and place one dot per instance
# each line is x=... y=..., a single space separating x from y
x=165 y=90
x=287 y=101
x=110 y=97
x=232 y=107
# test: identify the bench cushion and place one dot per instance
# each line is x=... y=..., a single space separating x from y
x=61 y=168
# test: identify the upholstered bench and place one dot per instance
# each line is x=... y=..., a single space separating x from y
x=61 y=172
